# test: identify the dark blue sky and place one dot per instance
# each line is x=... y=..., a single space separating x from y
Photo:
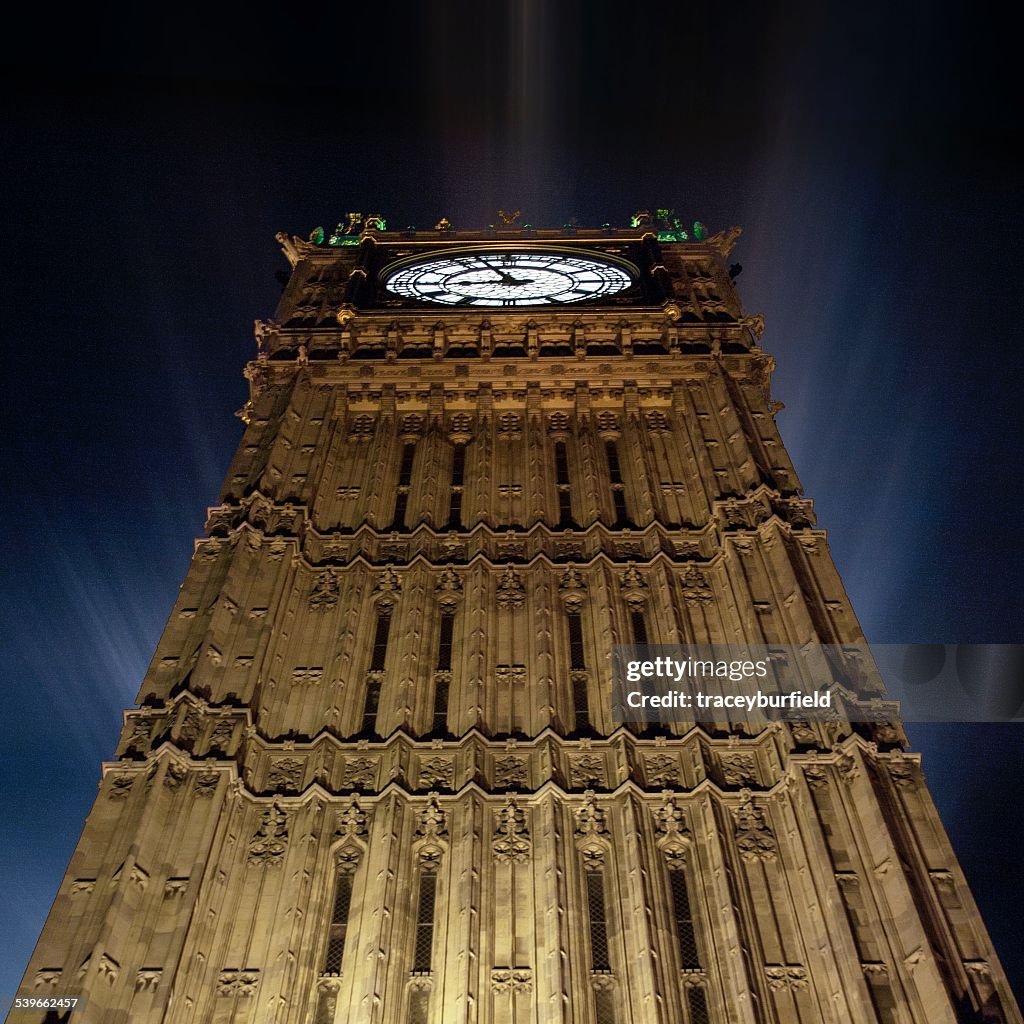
x=867 y=155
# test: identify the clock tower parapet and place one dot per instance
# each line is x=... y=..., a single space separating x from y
x=339 y=294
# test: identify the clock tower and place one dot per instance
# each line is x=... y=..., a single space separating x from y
x=373 y=776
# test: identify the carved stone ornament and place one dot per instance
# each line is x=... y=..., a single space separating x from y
x=511 y=979
x=411 y=427
x=460 y=428
x=175 y=887
x=558 y=423
x=633 y=587
x=431 y=822
x=206 y=784
x=754 y=839
x=138 y=878
x=670 y=822
x=351 y=821
x=510 y=772
x=191 y=724
x=785 y=976
x=695 y=587
x=738 y=769
x=147 y=978
x=510 y=549
x=175 y=775
x=511 y=842
x=47 y=977
x=510 y=591
x=270 y=840
x=285 y=775
x=661 y=770
x=360 y=772
x=847 y=768
x=138 y=741
x=816 y=776
x=108 y=968
x=903 y=772
x=602 y=981
x=657 y=422
x=83 y=886
x=591 y=820
x=120 y=787
x=587 y=770
x=325 y=591
x=233 y=982
x=510 y=675
x=362 y=428
x=387 y=589
x=448 y=589
x=223 y=733
x=510 y=427
x=436 y=772
x=572 y=588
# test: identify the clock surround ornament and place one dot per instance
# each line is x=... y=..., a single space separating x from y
x=510 y=276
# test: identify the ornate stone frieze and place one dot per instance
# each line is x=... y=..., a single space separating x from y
x=903 y=772
x=448 y=589
x=591 y=820
x=738 y=769
x=351 y=820
x=587 y=770
x=670 y=822
x=634 y=588
x=572 y=588
x=175 y=887
x=754 y=839
x=235 y=982
x=431 y=822
x=175 y=776
x=285 y=775
x=696 y=590
x=511 y=840
x=108 y=968
x=46 y=977
x=120 y=787
x=786 y=976
x=206 y=784
x=510 y=591
x=269 y=842
x=360 y=773
x=510 y=675
x=661 y=770
x=387 y=589
x=147 y=978
x=436 y=772
x=325 y=590
x=510 y=772
x=511 y=979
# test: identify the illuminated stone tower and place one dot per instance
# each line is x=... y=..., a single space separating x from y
x=373 y=776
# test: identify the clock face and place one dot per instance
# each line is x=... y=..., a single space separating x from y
x=510 y=277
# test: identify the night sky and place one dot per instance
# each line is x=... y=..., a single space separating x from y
x=146 y=167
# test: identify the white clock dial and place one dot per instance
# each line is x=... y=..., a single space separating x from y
x=510 y=277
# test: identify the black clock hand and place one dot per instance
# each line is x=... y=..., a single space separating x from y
x=506 y=278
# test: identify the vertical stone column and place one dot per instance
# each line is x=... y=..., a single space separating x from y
x=587 y=472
